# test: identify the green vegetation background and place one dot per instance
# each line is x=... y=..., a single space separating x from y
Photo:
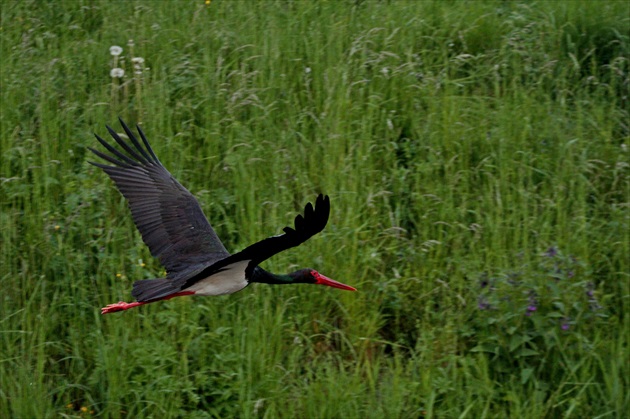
x=476 y=155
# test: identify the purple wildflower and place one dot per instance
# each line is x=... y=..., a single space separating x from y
x=530 y=310
x=592 y=301
x=565 y=325
x=551 y=252
x=532 y=303
x=483 y=303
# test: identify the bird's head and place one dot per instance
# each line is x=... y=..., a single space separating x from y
x=311 y=276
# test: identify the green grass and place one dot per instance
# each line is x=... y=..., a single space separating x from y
x=458 y=141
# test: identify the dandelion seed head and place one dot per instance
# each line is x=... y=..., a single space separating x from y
x=260 y=402
x=307 y=70
x=117 y=73
x=137 y=60
x=115 y=50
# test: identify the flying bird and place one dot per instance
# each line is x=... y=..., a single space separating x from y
x=177 y=232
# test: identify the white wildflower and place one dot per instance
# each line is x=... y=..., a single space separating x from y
x=260 y=402
x=130 y=43
x=115 y=50
x=137 y=60
x=117 y=73
x=307 y=70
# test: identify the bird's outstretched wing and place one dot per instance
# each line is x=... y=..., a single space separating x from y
x=168 y=217
x=305 y=226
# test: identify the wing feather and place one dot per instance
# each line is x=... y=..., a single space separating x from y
x=168 y=216
x=305 y=226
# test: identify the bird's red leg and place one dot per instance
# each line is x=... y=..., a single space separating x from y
x=121 y=305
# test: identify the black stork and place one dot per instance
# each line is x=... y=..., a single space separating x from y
x=177 y=232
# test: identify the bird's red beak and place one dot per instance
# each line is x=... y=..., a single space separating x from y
x=322 y=280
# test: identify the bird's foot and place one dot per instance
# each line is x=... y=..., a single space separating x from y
x=119 y=306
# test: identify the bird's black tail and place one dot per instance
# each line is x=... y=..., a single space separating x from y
x=153 y=289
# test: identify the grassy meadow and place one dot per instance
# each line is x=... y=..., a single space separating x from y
x=476 y=154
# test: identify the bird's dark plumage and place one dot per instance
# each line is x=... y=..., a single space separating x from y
x=174 y=227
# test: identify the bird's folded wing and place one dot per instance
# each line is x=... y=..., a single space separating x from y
x=168 y=216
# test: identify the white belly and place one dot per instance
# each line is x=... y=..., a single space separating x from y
x=229 y=280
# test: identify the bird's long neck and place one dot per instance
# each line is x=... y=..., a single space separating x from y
x=265 y=277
